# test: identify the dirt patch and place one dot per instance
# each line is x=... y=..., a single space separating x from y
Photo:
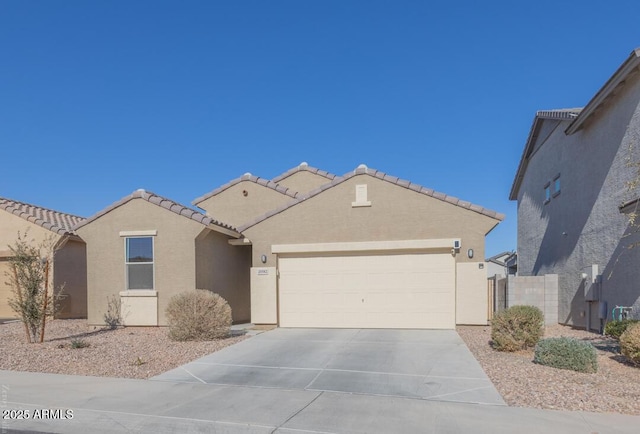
x=522 y=383
x=131 y=352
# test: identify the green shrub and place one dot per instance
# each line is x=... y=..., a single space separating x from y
x=79 y=343
x=617 y=327
x=567 y=353
x=198 y=315
x=630 y=344
x=517 y=328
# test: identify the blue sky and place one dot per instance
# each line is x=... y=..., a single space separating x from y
x=100 y=98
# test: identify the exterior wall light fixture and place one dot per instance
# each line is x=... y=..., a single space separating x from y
x=263 y=258
x=470 y=253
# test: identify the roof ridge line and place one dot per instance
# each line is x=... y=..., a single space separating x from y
x=156 y=199
x=364 y=170
x=304 y=167
x=247 y=177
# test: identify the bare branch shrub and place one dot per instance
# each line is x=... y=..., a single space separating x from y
x=33 y=296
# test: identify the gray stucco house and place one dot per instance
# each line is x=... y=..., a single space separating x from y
x=574 y=200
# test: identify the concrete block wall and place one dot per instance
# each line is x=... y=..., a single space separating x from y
x=538 y=291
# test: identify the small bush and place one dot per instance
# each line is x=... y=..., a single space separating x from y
x=198 y=315
x=567 y=353
x=79 y=343
x=617 y=327
x=517 y=328
x=113 y=315
x=630 y=344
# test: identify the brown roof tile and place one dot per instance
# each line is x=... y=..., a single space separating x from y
x=55 y=221
x=162 y=202
x=364 y=170
x=304 y=167
x=247 y=177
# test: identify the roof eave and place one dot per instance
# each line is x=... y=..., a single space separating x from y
x=539 y=118
x=628 y=68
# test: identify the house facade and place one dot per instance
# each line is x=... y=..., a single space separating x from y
x=370 y=250
x=305 y=249
x=144 y=249
x=69 y=261
x=572 y=179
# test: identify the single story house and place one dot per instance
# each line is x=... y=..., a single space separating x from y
x=370 y=250
x=305 y=249
x=69 y=261
x=144 y=249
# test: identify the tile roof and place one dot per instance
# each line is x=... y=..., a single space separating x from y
x=304 y=167
x=55 y=221
x=364 y=170
x=163 y=203
x=247 y=177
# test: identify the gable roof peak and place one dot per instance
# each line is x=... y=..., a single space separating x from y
x=168 y=204
x=246 y=177
x=384 y=177
x=304 y=166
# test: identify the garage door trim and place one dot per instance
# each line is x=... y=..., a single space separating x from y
x=367 y=246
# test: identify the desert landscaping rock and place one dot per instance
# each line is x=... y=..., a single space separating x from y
x=127 y=352
x=614 y=388
x=144 y=352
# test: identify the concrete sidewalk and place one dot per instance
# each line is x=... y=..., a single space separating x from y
x=108 y=405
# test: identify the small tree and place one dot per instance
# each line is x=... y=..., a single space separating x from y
x=34 y=298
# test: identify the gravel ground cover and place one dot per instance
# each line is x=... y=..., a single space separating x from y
x=614 y=388
x=131 y=352
x=143 y=352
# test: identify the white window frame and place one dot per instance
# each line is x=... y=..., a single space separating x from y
x=146 y=234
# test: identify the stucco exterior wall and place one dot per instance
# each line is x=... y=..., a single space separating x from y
x=472 y=301
x=582 y=225
x=233 y=207
x=68 y=266
x=303 y=181
x=70 y=270
x=10 y=226
x=396 y=213
x=224 y=269
x=174 y=254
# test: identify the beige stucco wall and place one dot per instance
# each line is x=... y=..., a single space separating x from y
x=5 y=290
x=174 y=254
x=69 y=265
x=224 y=269
x=472 y=301
x=234 y=208
x=11 y=224
x=303 y=181
x=396 y=213
x=70 y=270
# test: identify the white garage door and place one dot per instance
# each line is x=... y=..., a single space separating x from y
x=367 y=291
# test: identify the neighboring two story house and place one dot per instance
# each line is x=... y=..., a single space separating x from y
x=574 y=200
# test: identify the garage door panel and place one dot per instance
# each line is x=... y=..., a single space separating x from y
x=368 y=291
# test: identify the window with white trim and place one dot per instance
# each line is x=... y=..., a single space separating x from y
x=139 y=263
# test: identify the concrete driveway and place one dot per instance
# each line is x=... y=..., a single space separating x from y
x=423 y=364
